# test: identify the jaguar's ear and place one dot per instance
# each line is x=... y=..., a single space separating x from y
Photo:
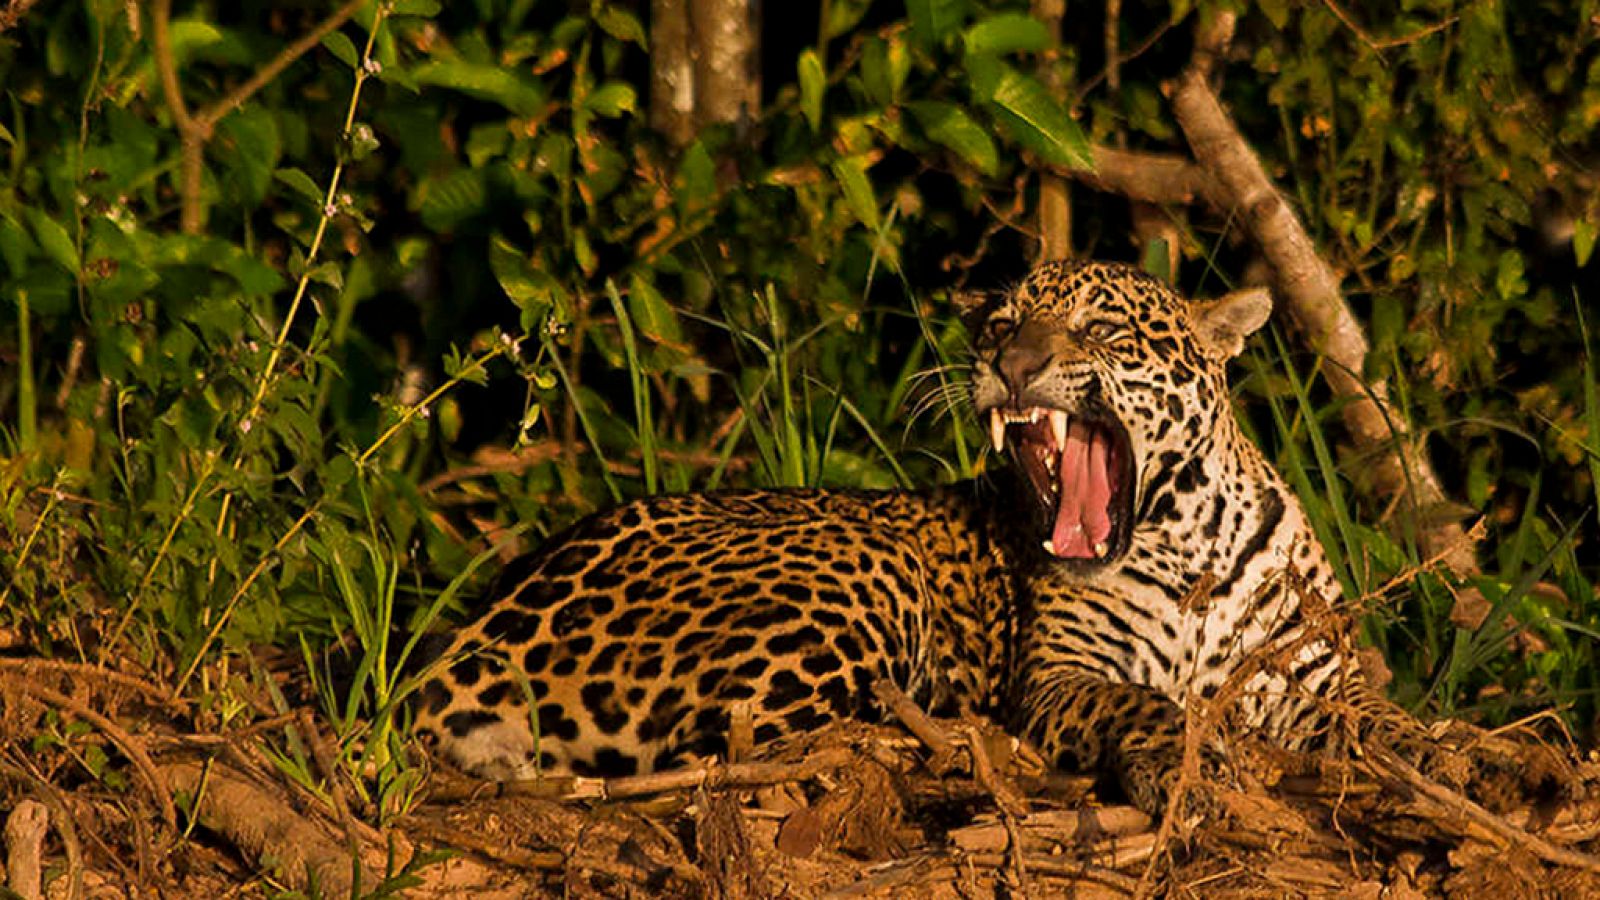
x=1223 y=324
x=974 y=307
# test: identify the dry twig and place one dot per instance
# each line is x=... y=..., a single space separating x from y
x=909 y=714
x=1455 y=804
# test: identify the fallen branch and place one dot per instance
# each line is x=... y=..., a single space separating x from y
x=1313 y=301
x=269 y=831
x=1454 y=803
x=713 y=777
x=1046 y=827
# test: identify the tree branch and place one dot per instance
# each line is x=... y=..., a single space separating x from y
x=1314 y=303
x=195 y=129
x=236 y=98
x=1158 y=178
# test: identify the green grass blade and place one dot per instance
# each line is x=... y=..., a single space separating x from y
x=643 y=423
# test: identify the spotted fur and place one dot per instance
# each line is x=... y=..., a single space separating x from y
x=625 y=644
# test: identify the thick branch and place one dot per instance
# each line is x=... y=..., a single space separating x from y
x=1157 y=178
x=1316 y=308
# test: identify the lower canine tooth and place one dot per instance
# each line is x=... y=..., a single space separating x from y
x=1049 y=547
x=997 y=429
x=1100 y=549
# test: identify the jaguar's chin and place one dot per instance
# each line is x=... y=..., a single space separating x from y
x=1079 y=471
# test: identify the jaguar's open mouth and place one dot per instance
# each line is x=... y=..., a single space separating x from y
x=1081 y=470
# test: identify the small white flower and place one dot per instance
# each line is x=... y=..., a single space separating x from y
x=371 y=66
x=244 y=426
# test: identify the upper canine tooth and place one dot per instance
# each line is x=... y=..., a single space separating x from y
x=997 y=429
x=1058 y=427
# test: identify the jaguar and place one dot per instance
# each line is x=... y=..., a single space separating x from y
x=1138 y=553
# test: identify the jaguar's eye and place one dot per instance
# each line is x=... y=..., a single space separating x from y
x=998 y=328
x=1101 y=331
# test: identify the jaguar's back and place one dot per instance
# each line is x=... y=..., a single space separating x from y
x=632 y=637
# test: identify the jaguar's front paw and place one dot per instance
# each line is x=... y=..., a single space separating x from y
x=1151 y=775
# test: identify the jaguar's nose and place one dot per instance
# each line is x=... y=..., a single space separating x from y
x=1021 y=361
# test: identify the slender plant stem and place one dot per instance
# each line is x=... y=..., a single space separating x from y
x=168 y=69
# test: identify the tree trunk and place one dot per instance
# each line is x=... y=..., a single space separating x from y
x=671 y=72
x=704 y=66
x=727 y=84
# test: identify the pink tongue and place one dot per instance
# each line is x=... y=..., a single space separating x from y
x=1083 y=519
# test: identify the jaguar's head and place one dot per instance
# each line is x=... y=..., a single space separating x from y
x=1097 y=378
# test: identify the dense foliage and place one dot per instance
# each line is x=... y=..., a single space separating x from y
x=255 y=428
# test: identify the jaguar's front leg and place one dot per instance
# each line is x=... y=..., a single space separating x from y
x=1083 y=722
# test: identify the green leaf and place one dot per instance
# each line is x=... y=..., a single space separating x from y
x=651 y=314
x=844 y=15
x=1037 y=121
x=301 y=184
x=15 y=247
x=512 y=270
x=1583 y=236
x=424 y=8
x=934 y=20
x=340 y=47
x=950 y=125
x=533 y=291
x=1007 y=33
x=249 y=151
x=449 y=199
x=1508 y=280
x=484 y=81
x=621 y=24
x=1277 y=12
x=812 y=82
x=697 y=178
x=852 y=175
x=1156 y=259
x=54 y=240
x=875 y=71
x=611 y=99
